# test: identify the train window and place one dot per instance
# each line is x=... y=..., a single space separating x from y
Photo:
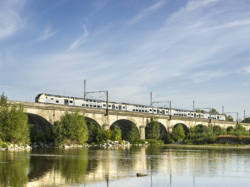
x=146 y=111
x=98 y=106
x=87 y=105
x=139 y=110
x=136 y=110
x=109 y=105
x=142 y=110
x=150 y=110
x=154 y=110
x=123 y=107
x=87 y=100
x=104 y=105
x=94 y=105
x=133 y=109
x=90 y=105
x=46 y=97
x=116 y=107
x=51 y=98
x=57 y=101
x=83 y=104
x=71 y=101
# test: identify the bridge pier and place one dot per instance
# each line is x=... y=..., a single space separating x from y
x=142 y=132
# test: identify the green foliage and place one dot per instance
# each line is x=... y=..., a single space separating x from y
x=246 y=120
x=133 y=134
x=166 y=138
x=178 y=133
x=228 y=118
x=70 y=128
x=106 y=135
x=219 y=131
x=214 y=111
x=3 y=145
x=201 y=135
x=94 y=133
x=153 y=129
x=230 y=130
x=14 y=125
x=116 y=134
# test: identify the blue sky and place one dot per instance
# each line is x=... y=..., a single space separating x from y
x=181 y=50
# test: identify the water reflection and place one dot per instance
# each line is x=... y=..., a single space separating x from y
x=97 y=166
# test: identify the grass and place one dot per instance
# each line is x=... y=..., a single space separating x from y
x=150 y=142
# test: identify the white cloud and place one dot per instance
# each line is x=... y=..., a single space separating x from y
x=191 y=6
x=146 y=12
x=10 y=20
x=234 y=24
x=77 y=43
x=204 y=76
x=47 y=33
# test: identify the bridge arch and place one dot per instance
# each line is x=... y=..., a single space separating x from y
x=185 y=128
x=125 y=125
x=91 y=120
x=163 y=129
x=39 y=122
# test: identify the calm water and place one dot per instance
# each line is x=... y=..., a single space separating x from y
x=165 y=166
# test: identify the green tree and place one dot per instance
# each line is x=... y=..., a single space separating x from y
x=218 y=130
x=230 y=130
x=246 y=120
x=106 y=135
x=214 y=111
x=133 y=134
x=14 y=125
x=228 y=118
x=153 y=129
x=92 y=131
x=71 y=127
x=116 y=134
x=178 y=133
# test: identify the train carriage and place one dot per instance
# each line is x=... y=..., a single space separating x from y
x=94 y=103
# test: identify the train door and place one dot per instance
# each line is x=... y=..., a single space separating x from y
x=113 y=107
x=158 y=111
x=66 y=101
x=120 y=107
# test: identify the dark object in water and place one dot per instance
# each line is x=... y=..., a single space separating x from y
x=141 y=175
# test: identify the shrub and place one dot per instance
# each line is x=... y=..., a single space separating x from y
x=116 y=134
x=133 y=134
x=230 y=130
x=166 y=138
x=106 y=135
x=178 y=133
x=153 y=129
x=70 y=128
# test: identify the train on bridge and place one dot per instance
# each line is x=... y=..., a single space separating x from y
x=93 y=103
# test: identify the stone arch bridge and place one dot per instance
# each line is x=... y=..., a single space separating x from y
x=46 y=114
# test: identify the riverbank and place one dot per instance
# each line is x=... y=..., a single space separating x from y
x=237 y=146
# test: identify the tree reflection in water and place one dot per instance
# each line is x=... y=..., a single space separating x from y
x=13 y=169
x=99 y=165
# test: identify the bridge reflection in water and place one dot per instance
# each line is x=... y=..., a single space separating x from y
x=96 y=166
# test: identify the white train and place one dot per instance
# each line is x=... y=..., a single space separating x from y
x=93 y=103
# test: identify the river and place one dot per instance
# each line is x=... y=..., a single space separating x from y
x=101 y=166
